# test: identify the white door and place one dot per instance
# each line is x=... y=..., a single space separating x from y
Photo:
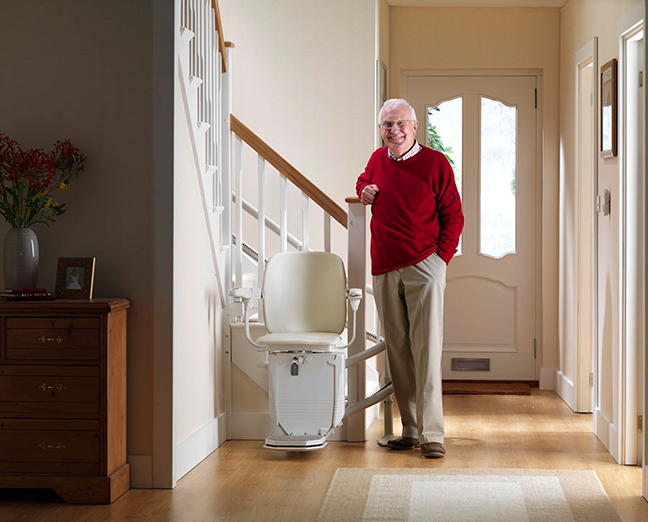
x=489 y=122
x=633 y=174
x=581 y=353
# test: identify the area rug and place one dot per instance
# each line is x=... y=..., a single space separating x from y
x=464 y=495
x=486 y=388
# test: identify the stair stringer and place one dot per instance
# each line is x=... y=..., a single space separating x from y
x=189 y=96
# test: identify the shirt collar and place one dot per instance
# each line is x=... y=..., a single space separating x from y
x=416 y=148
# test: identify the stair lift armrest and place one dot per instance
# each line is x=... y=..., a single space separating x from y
x=245 y=295
x=354 y=296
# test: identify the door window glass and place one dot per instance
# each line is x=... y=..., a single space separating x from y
x=445 y=134
x=498 y=166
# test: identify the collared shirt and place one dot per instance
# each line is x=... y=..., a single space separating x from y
x=416 y=148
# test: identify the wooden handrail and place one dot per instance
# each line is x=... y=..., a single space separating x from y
x=290 y=172
x=221 y=38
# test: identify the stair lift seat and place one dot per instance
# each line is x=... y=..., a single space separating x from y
x=304 y=304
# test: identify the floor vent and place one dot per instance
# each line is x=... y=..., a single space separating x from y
x=470 y=365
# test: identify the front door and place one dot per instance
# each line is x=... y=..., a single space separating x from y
x=489 y=125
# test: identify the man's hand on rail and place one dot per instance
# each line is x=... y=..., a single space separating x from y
x=369 y=194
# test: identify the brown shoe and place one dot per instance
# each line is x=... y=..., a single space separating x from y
x=432 y=450
x=403 y=443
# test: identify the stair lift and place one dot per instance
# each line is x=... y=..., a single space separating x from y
x=304 y=305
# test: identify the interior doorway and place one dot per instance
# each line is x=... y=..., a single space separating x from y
x=576 y=378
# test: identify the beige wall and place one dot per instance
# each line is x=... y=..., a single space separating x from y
x=83 y=70
x=441 y=38
x=304 y=82
x=581 y=20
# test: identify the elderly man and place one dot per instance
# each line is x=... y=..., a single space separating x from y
x=415 y=228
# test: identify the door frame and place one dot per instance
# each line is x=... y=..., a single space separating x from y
x=645 y=368
x=584 y=395
x=629 y=271
x=543 y=375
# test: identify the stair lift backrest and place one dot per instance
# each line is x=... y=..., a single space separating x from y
x=304 y=292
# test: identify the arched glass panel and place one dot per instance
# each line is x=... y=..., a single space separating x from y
x=498 y=166
x=445 y=134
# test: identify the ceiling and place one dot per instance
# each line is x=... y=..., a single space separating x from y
x=477 y=3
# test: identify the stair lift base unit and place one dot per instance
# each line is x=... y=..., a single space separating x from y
x=306 y=397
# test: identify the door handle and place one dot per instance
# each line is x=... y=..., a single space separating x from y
x=603 y=202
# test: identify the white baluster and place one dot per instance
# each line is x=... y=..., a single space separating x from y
x=210 y=88
x=238 y=144
x=201 y=44
x=225 y=167
x=305 y=200
x=327 y=232
x=192 y=42
x=220 y=134
x=261 y=221
x=212 y=94
x=283 y=212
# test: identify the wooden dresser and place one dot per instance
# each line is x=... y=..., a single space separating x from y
x=63 y=398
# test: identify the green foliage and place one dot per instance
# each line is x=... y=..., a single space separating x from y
x=434 y=140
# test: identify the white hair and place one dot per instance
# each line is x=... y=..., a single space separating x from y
x=397 y=101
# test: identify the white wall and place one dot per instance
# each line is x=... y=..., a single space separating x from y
x=502 y=38
x=84 y=70
x=199 y=399
x=580 y=20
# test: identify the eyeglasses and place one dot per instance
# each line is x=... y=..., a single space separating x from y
x=390 y=124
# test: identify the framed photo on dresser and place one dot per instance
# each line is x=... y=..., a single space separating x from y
x=75 y=277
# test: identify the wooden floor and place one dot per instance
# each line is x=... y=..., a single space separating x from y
x=242 y=481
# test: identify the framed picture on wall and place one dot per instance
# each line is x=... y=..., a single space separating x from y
x=381 y=82
x=609 y=109
x=75 y=277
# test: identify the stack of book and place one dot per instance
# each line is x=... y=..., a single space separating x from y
x=27 y=294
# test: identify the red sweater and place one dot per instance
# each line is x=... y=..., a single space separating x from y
x=416 y=212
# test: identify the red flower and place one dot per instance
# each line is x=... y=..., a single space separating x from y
x=67 y=155
x=28 y=177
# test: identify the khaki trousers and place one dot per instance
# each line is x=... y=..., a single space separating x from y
x=410 y=307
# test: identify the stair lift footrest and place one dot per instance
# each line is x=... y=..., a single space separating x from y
x=295 y=442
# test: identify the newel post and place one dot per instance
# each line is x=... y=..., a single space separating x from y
x=357 y=268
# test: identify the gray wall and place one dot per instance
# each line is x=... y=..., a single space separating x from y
x=83 y=70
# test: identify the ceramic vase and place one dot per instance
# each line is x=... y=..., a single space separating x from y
x=20 y=259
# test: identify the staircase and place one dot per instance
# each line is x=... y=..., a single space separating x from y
x=258 y=218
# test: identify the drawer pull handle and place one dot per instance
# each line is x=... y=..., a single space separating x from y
x=59 y=446
x=44 y=339
x=45 y=387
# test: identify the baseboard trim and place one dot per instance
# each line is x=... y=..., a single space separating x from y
x=194 y=449
x=566 y=390
x=547 y=379
x=608 y=433
x=141 y=471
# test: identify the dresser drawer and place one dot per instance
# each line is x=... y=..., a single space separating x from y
x=49 y=389
x=55 y=339
x=50 y=446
